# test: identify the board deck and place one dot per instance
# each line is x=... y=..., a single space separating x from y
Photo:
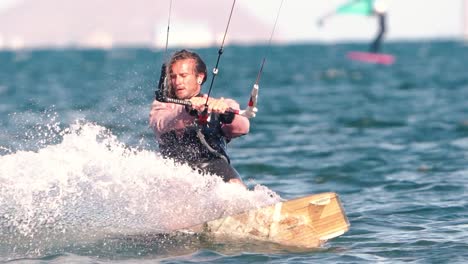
x=379 y=58
x=306 y=222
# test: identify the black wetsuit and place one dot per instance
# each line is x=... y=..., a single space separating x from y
x=202 y=147
x=375 y=46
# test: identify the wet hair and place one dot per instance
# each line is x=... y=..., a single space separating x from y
x=200 y=66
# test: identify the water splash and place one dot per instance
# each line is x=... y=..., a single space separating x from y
x=90 y=186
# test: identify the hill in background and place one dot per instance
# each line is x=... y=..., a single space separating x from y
x=123 y=23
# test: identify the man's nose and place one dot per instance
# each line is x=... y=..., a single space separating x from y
x=178 y=80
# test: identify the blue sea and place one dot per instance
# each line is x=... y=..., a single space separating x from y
x=81 y=180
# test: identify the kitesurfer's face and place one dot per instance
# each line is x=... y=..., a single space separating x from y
x=184 y=79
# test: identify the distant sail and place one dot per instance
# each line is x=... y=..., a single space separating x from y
x=356 y=7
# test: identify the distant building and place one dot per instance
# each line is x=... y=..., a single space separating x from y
x=465 y=20
x=97 y=39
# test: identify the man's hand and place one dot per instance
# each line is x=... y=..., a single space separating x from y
x=218 y=106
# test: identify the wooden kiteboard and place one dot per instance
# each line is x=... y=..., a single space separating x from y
x=304 y=222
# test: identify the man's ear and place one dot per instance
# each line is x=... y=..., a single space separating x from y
x=200 y=78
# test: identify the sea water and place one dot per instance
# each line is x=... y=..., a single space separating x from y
x=81 y=179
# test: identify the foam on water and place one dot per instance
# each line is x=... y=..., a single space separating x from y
x=89 y=186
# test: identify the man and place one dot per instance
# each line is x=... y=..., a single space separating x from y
x=180 y=133
x=379 y=10
x=376 y=8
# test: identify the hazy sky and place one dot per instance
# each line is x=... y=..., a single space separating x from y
x=407 y=19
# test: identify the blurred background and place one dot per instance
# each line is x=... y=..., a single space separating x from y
x=106 y=23
x=81 y=180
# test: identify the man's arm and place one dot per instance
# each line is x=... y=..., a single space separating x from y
x=165 y=117
x=240 y=124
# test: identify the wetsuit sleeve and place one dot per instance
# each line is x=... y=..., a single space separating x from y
x=239 y=126
x=165 y=117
